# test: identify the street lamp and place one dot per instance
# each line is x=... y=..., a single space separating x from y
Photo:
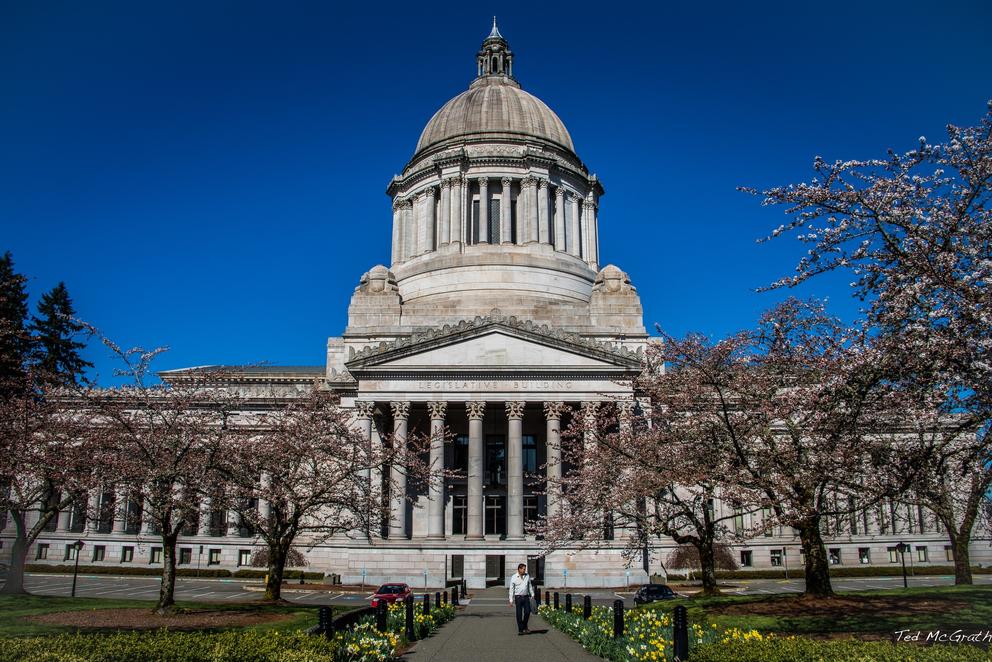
x=903 y=547
x=785 y=560
x=75 y=570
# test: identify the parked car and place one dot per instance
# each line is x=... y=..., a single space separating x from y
x=390 y=593
x=653 y=593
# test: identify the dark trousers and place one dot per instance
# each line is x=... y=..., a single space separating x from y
x=522 y=604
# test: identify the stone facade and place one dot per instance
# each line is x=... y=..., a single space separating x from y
x=493 y=320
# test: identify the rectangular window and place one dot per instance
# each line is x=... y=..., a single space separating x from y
x=766 y=516
x=185 y=555
x=776 y=557
x=213 y=557
x=834 y=556
x=459 y=514
x=77 y=522
x=71 y=551
x=42 y=552
x=127 y=554
x=921 y=554
x=494 y=236
x=530 y=508
x=495 y=514
x=514 y=231
x=864 y=556
x=474 y=239
x=156 y=555
x=459 y=452
x=244 y=557
x=457 y=566
x=530 y=453
x=948 y=553
x=893 y=554
x=738 y=521
x=746 y=561
x=99 y=552
x=495 y=469
x=218 y=523
x=132 y=525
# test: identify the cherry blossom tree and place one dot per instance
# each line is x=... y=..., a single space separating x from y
x=915 y=229
x=303 y=471
x=50 y=457
x=166 y=439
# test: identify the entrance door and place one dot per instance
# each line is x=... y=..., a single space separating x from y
x=535 y=568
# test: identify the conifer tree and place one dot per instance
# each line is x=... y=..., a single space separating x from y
x=56 y=348
x=15 y=342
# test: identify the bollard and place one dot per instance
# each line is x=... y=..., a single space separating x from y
x=437 y=598
x=568 y=603
x=537 y=597
x=427 y=603
x=444 y=597
x=410 y=634
x=547 y=598
x=617 y=618
x=680 y=634
x=325 y=621
x=556 y=600
x=587 y=607
x=380 y=616
x=454 y=595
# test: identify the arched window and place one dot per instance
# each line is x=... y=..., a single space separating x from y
x=495 y=65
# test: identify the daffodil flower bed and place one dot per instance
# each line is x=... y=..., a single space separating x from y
x=364 y=643
x=647 y=633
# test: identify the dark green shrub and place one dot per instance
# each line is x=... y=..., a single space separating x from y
x=859 y=571
x=126 y=570
x=288 y=574
x=809 y=650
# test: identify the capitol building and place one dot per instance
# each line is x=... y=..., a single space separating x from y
x=498 y=320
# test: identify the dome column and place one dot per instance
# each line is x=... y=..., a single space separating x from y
x=426 y=224
x=591 y=234
x=476 y=412
x=445 y=237
x=542 y=212
x=505 y=213
x=528 y=187
x=435 y=488
x=559 y=219
x=408 y=231
x=574 y=242
x=397 y=230
x=455 y=227
x=483 y=237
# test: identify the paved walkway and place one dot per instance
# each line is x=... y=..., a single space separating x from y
x=486 y=631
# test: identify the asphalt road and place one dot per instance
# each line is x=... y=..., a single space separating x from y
x=234 y=590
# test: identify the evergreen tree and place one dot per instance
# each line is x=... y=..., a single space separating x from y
x=15 y=342
x=55 y=330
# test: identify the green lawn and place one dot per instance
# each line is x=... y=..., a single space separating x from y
x=13 y=608
x=868 y=614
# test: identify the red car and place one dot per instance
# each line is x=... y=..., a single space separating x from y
x=390 y=593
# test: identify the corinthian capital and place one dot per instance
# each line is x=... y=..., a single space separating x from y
x=476 y=409
x=430 y=192
x=437 y=408
x=589 y=410
x=554 y=410
x=542 y=184
x=445 y=183
x=400 y=409
x=506 y=182
x=515 y=410
x=559 y=192
x=364 y=408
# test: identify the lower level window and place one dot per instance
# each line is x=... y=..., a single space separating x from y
x=244 y=557
x=893 y=554
x=156 y=555
x=71 y=552
x=864 y=555
x=921 y=554
x=834 y=556
x=185 y=555
x=948 y=553
x=99 y=552
x=457 y=566
x=776 y=557
x=213 y=557
x=42 y=551
x=127 y=554
x=746 y=559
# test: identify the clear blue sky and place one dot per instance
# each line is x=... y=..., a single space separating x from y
x=211 y=175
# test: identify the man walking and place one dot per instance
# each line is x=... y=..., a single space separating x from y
x=521 y=591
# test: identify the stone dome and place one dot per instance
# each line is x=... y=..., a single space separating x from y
x=493 y=107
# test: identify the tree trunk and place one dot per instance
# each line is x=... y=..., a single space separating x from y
x=277 y=565
x=962 y=559
x=817 y=565
x=18 y=557
x=167 y=589
x=707 y=567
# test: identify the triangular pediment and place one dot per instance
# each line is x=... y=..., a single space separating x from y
x=500 y=344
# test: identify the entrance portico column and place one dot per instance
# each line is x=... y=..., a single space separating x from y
x=476 y=412
x=435 y=491
x=363 y=410
x=553 y=412
x=514 y=472
x=397 y=500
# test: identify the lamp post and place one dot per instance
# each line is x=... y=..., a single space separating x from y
x=785 y=560
x=902 y=547
x=75 y=570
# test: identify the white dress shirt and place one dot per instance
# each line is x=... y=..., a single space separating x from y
x=520 y=585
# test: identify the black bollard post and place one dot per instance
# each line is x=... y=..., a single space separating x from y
x=568 y=603
x=587 y=607
x=444 y=597
x=547 y=598
x=617 y=618
x=680 y=634
x=537 y=597
x=410 y=634
x=454 y=595
x=427 y=603
x=437 y=597
x=556 y=600
x=380 y=616
x=325 y=620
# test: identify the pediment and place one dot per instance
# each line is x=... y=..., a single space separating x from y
x=494 y=345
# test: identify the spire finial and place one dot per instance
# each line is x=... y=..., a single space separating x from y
x=495 y=31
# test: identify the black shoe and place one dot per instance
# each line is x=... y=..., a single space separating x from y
x=520 y=633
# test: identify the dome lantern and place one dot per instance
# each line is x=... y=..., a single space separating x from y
x=495 y=57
